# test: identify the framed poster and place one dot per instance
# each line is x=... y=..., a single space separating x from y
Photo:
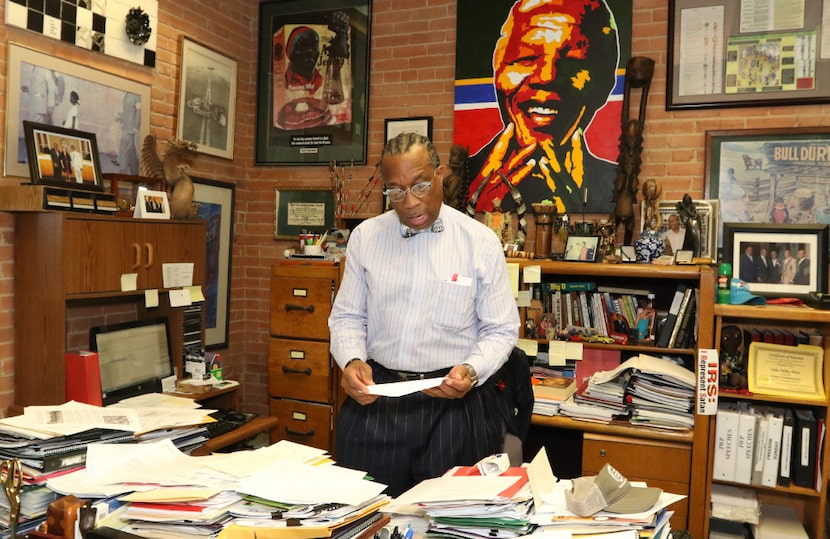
x=517 y=117
x=773 y=176
x=392 y=127
x=312 y=82
x=207 y=99
x=733 y=53
x=215 y=201
x=117 y=110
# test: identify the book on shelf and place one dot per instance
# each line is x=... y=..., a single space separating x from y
x=686 y=323
x=759 y=450
x=726 y=435
x=664 y=334
x=745 y=445
x=553 y=388
x=785 y=464
x=804 y=448
x=680 y=314
x=772 y=448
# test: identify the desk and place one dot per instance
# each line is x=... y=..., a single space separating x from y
x=218 y=397
x=248 y=430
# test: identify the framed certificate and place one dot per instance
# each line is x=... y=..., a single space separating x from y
x=786 y=371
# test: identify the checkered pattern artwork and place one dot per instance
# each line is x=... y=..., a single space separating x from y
x=97 y=25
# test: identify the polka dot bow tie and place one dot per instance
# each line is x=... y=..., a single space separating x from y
x=437 y=226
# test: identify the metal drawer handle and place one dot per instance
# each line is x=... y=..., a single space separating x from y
x=298 y=433
x=289 y=370
x=309 y=308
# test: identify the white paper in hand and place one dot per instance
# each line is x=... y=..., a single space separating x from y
x=399 y=389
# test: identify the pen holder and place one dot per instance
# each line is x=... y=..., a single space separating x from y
x=313 y=249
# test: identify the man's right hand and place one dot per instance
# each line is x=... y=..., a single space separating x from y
x=356 y=376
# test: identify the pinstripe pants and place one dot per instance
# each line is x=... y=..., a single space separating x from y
x=400 y=441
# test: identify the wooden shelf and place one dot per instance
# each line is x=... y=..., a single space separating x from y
x=616 y=428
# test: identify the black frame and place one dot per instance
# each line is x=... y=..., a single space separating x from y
x=319 y=143
x=738 y=235
x=37 y=135
x=794 y=72
x=219 y=250
x=591 y=241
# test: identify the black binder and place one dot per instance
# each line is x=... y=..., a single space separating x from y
x=662 y=339
x=805 y=447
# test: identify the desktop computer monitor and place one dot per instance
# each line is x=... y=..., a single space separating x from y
x=133 y=357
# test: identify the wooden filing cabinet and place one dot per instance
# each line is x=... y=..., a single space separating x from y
x=661 y=464
x=302 y=380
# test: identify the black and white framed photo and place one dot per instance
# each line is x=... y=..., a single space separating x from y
x=62 y=157
x=778 y=260
x=207 y=99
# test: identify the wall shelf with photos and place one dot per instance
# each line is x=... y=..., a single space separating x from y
x=801 y=392
x=686 y=449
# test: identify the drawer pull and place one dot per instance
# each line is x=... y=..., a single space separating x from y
x=289 y=370
x=602 y=452
x=309 y=308
x=291 y=432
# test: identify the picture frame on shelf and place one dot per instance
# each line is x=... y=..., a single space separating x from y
x=767 y=175
x=215 y=204
x=316 y=114
x=119 y=103
x=207 y=99
x=707 y=210
x=62 y=157
x=151 y=204
x=718 y=55
x=582 y=249
x=808 y=276
x=299 y=210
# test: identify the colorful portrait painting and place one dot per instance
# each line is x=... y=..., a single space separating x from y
x=538 y=99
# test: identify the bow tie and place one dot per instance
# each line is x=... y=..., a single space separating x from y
x=437 y=226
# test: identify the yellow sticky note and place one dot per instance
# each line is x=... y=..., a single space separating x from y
x=532 y=274
x=195 y=293
x=513 y=275
x=529 y=346
x=151 y=298
x=129 y=282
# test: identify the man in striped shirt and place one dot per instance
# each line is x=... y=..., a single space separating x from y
x=425 y=294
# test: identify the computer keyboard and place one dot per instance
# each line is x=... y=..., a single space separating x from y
x=226 y=421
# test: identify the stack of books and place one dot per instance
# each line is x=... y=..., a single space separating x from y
x=549 y=392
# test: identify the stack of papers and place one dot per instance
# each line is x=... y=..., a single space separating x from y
x=464 y=504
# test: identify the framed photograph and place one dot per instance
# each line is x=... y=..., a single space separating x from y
x=207 y=99
x=708 y=212
x=627 y=253
x=778 y=260
x=581 y=248
x=62 y=157
x=115 y=109
x=151 y=205
x=312 y=82
x=392 y=127
x=299 y=211
x=775 y=176
x=215 y=200
x=732 y=53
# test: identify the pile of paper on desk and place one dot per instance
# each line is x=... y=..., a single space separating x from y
x=602 y=506
x=735 y=503
x=465 y=504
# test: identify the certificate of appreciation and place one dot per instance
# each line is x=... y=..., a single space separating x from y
x=786 y=371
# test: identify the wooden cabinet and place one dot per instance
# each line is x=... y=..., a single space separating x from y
x=301 y=380
x=677 y=461
x=810 y=504
x=661 y=464
x=66 y=259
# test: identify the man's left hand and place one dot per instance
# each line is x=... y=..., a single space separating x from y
x=456 y=384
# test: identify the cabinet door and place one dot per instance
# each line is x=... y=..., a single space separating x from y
x=97 y=252
x=95 y=255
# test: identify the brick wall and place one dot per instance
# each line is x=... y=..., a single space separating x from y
x=412 y=66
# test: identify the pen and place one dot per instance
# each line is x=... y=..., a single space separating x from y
x=323 y=238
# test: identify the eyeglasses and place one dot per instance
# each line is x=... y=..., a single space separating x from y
x=419 y=190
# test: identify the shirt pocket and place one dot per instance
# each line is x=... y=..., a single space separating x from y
x=454 y=306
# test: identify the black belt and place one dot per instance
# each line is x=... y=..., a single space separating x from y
x=406 y=376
